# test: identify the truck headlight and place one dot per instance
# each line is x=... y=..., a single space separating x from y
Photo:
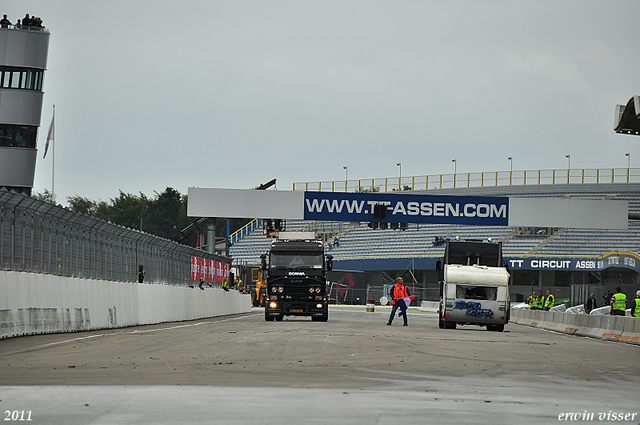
x=319 y=306
x=280 y=289
x=274 y=289
x=318 y=290
x=273 y=305
x=311 y=290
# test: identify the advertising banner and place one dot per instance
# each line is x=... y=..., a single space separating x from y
x=194 y=268
x=219 y=272
x=405 y=208
x=212 y=270
x=611 y=260
x=227 y=268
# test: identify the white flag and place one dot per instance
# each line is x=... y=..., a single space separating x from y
x=50 y=134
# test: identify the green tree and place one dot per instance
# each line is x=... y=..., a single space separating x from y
x=46 y=196
x=164 y=213
x=129 y=210
x=82 y=205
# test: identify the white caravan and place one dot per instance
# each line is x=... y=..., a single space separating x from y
x=474 y=295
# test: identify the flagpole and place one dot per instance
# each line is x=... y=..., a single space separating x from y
x=53 y=166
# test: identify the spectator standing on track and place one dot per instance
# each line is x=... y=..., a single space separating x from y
x=540 y=303
x=591 y=303
x=399 y=291
x=618 y=303
x=140 y=273
x=635 y=312
x=549 y=300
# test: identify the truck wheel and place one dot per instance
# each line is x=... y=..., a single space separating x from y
x=323 y=318
x=268 y=318
x=279 y=318
x=450 y=325
x=440 y=322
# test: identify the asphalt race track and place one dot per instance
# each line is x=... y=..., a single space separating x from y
x=351 y=370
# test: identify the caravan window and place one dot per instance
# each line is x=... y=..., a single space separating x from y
x=467 y=292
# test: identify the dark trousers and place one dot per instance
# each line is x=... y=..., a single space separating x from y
x=395 y=308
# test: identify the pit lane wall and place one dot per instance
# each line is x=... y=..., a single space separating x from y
x=612 y=328
x=39 y=304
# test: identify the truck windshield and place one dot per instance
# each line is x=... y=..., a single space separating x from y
x=299 y=261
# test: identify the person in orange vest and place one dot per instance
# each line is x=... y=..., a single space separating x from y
x=399 y=291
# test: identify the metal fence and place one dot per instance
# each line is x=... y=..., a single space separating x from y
x=39 y=237
x=480 y=179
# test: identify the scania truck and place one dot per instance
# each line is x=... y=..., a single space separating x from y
x=474 y=289
x=296 y=277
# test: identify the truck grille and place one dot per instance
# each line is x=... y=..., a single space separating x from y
x=297 y=291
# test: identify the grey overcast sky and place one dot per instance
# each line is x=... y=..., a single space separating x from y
x=231 y=94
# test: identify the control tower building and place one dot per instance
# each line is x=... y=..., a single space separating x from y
x=23 y=60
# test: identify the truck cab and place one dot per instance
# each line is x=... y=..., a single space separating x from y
x=474 y=289
x=296 y=277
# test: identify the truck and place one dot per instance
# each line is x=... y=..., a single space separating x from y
x=296 y=277
x=474 y=286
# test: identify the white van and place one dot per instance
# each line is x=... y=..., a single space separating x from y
x=474 y=295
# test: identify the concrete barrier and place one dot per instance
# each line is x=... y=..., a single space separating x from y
x=430 y=306
x=37 y=304
x=612 y=328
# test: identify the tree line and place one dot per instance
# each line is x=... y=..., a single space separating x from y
x=164 y=214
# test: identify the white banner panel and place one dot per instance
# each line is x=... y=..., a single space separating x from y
x=242 y=203
x=401 y=208
x=569 y=213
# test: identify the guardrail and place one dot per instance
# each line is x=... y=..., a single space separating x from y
x=23 y=28
x=480 y=179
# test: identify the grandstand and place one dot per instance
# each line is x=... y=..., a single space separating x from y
x=538 y=257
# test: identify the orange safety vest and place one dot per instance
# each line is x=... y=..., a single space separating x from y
x=400 y=291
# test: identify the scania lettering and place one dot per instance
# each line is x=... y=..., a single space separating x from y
x=474 y=288
x=296 y=277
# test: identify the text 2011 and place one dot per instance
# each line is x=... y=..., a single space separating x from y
x=17 y=415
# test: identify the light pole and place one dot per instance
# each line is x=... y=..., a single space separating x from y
x=628 y=155
x=346 y=177
x=399 y=164
x=510 y=169
x=568 y=167
x=455 y=171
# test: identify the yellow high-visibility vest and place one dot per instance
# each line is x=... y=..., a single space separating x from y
x=619 y=302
